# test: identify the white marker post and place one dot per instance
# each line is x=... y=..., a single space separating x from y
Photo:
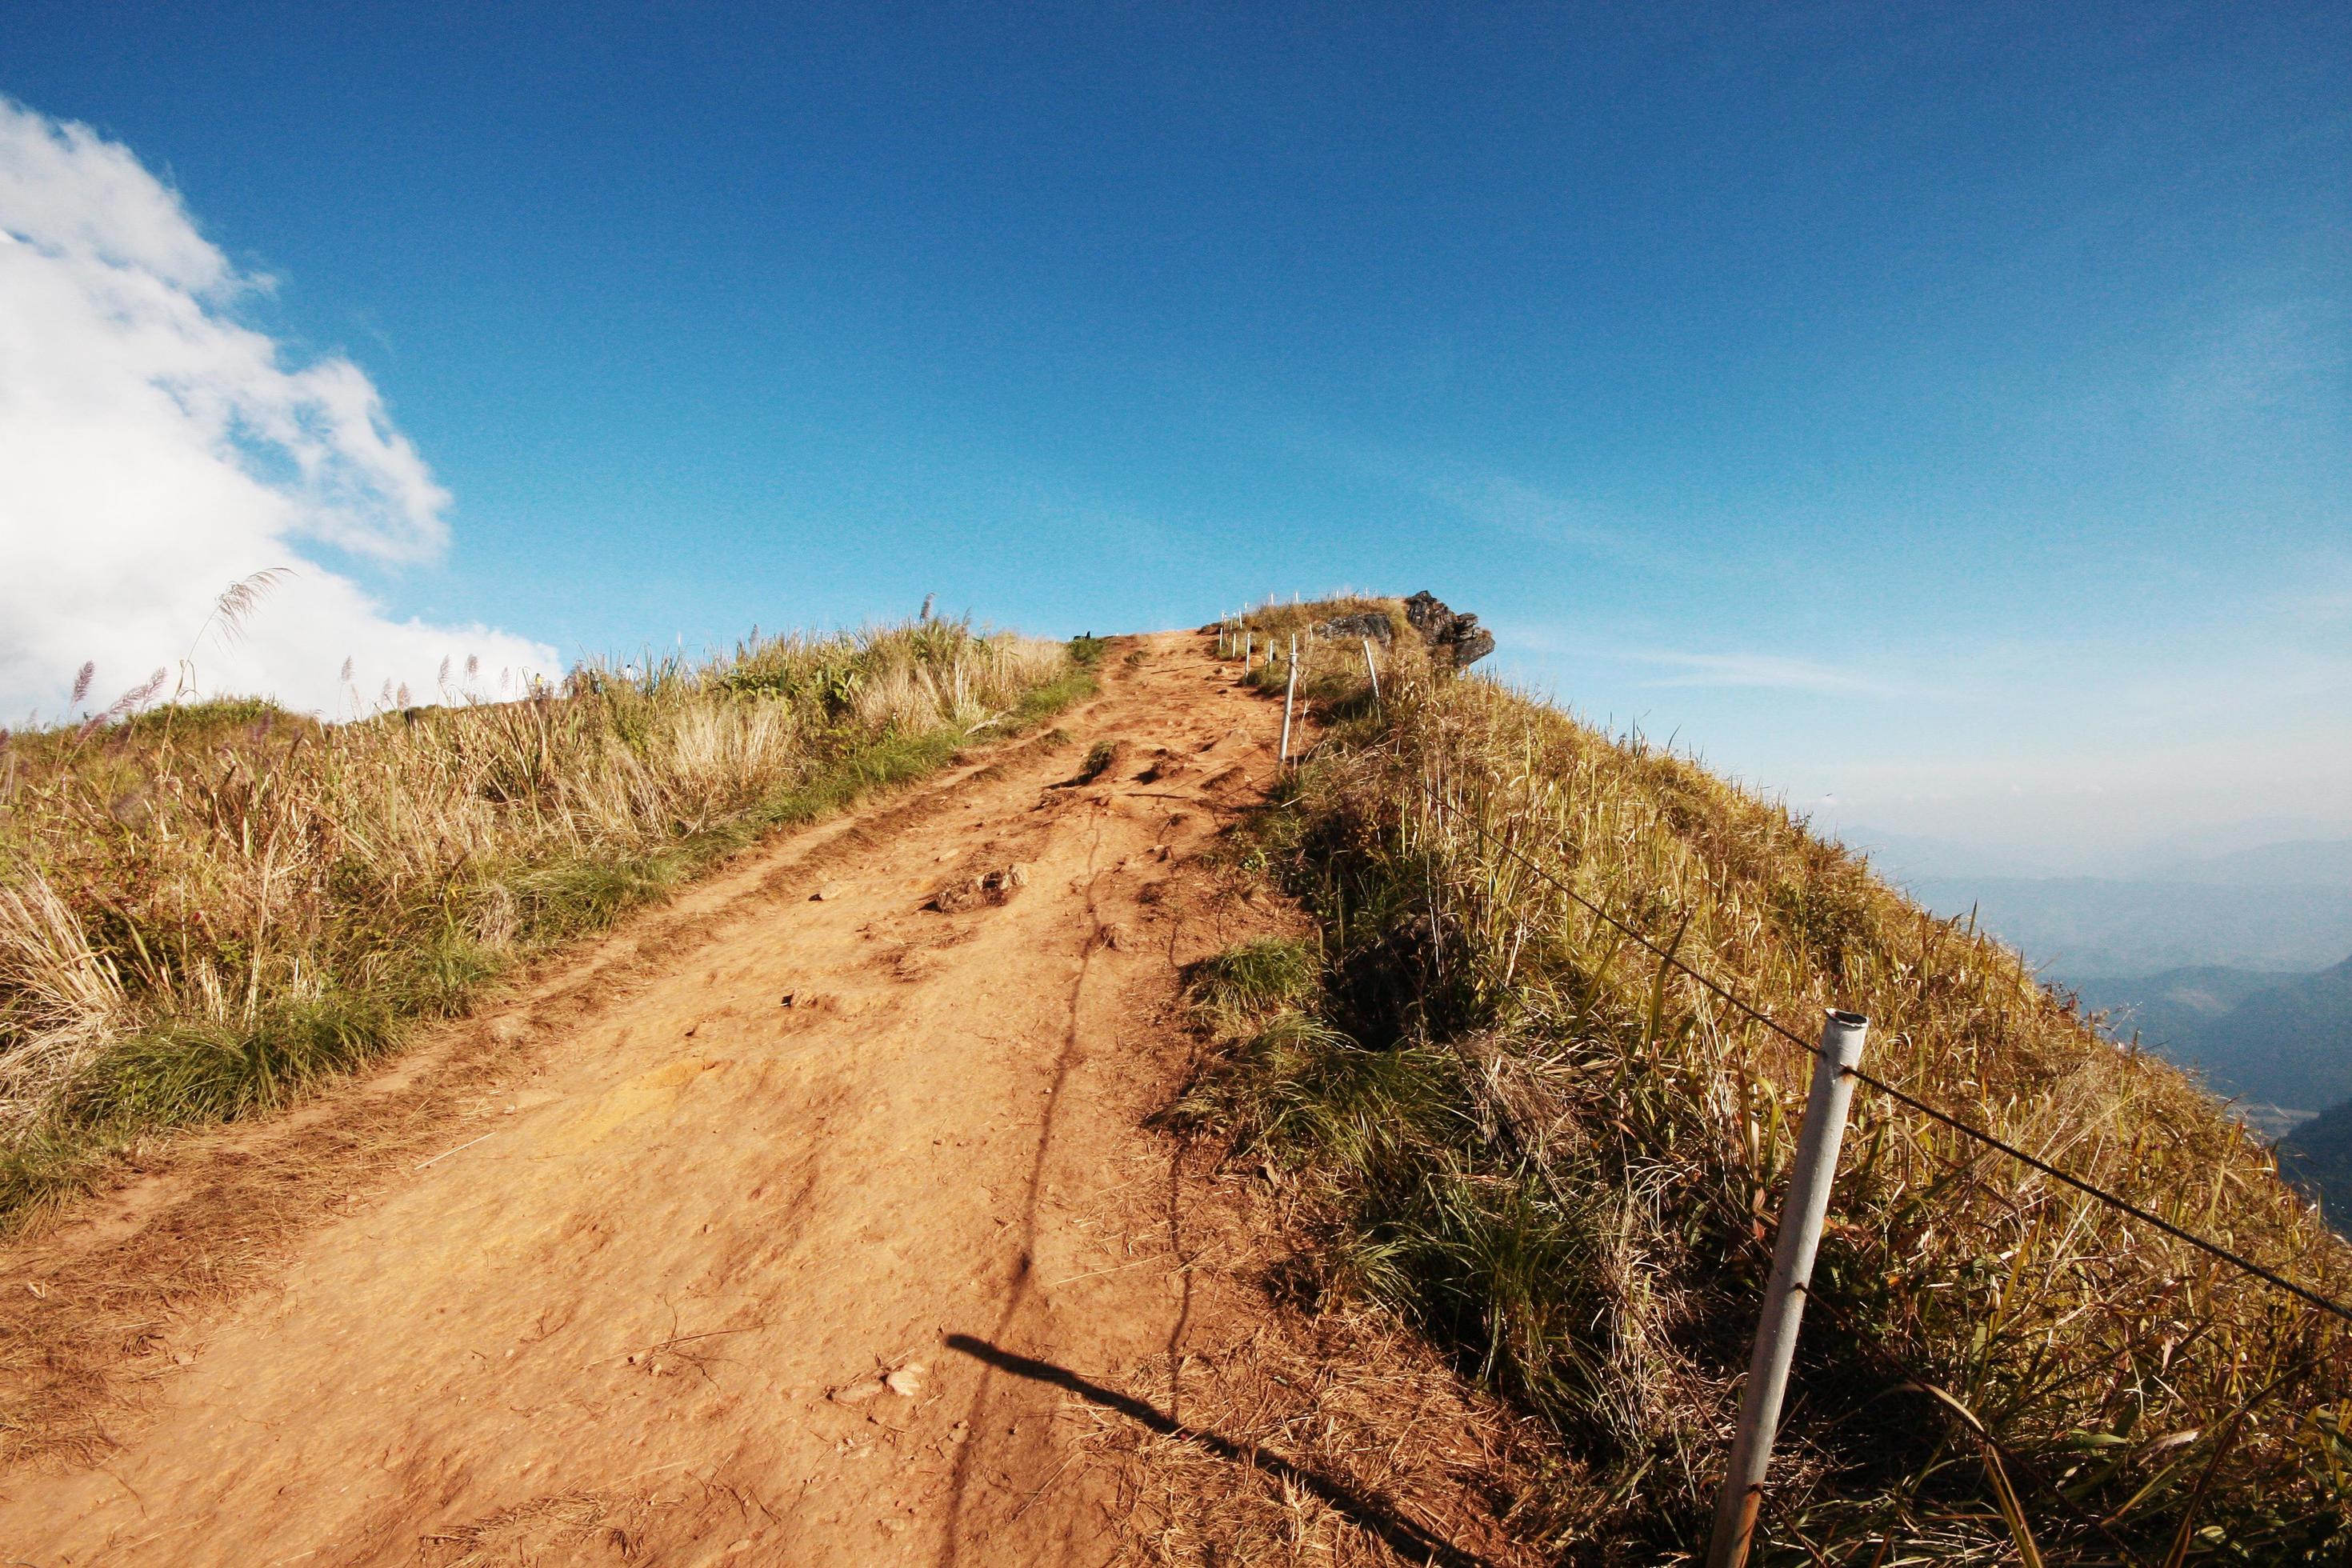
x=1802 y=1213
x=1372 y=669
x=1288 y=695
x=1246 y=639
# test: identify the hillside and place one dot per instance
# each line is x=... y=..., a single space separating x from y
x=1114 y=1142
x=1542 y=1147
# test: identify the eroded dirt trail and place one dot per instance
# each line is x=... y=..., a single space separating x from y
x=694 y=1273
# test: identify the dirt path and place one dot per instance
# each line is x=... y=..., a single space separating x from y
x=773 y=1231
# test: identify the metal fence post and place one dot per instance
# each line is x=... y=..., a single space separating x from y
x=1802 y=1213
x=1287 y=696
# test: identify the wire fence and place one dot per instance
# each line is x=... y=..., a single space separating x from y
x=1731 y=994
x=1741 y=1004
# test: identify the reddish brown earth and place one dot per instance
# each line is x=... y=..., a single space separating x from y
x=789 y=1225
x=686 y=1272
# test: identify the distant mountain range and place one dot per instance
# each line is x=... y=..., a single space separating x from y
x=2280 y=1040
x=2304 y=863
x=2219 y=899
x=2224 y=952
x=2257 y=854
x=2075 y=927
x=2317 y=1157
x=2273 y=1043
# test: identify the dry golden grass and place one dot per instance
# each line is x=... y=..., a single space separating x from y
x=102 y=1324
x=1557 y=1158
x=1274 y=621
x=203 y=910
x=567 y=1527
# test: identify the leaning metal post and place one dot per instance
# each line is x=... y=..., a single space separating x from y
x=1289 y=693
x=1802 y=1213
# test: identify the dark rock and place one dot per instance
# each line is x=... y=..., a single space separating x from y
x=1372 y=623
x=1452 y=635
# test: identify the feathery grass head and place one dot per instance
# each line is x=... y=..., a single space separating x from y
x=232 y=611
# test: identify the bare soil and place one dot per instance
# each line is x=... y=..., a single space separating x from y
x=813 y=1218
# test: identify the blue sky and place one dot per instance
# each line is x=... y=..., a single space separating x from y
x=1942 y=415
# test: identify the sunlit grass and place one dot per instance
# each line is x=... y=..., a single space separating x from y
x=206 y=909
x=1559 y=1159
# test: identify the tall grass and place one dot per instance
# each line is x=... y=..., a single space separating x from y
x=204 y=909
x=1558 y=1158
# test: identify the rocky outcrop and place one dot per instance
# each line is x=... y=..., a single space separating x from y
x=1451 y=634
x=1455 y=638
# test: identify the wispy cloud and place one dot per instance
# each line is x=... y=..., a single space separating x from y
x=1764 y=671
x=2267 y=355
x=1544 y=516
x=157 y=448
x=1658 y=667
x=1503 y=502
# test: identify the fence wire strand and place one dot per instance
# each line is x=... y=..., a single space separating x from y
x=1741 y=1004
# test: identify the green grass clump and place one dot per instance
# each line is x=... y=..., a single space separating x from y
x=1086 y=652
x=1100 y=755
x=1557 y=1159
x=206 y=909
x=1260 y=976
x=201 y=1070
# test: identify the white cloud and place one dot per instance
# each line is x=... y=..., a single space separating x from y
x=153 y=450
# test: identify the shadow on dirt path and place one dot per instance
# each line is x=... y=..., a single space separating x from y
x=1407 y=1539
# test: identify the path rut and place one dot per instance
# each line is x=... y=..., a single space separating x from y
x=736 y=1256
